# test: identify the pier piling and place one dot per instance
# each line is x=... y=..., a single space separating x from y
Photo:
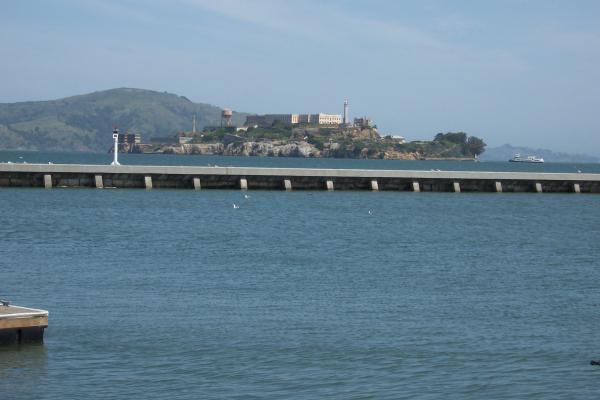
x=538 y=187
x=498 y=187
x=287 y=184
x=243 y=184
x=197 y=185
x=99 y=182
x=374 y=185
x=329 y=185
x=48 y=181
x=456 y=187
x=148 y=182
x=416 y=187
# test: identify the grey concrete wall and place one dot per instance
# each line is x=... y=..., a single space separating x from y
x=182 y=177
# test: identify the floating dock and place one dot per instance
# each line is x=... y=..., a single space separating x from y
x=250 y=178
x=22 y=325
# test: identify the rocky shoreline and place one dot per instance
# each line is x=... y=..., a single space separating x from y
x=299 y=149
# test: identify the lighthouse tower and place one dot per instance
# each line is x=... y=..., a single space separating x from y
x=345 y=112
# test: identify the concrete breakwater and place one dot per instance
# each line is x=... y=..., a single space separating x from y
x=186 y=177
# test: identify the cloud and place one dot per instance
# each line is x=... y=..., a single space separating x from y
x=327 y=24
x=323 y=23
x=267 y=14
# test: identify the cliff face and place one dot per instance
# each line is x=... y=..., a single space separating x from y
x=397 y=155
x=278 y=149
x=271 y=149
x=259 y=149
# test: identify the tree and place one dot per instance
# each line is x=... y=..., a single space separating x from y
x=452 y=137
x=475 y=145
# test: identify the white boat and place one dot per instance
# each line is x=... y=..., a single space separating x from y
x=527 y=159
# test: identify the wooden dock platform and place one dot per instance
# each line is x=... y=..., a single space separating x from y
x=22 y=324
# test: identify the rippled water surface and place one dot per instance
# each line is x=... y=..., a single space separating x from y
x=290 y=162
x=175 y=294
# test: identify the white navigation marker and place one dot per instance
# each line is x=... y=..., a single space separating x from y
x=116 y=153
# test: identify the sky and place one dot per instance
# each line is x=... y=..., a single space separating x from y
x=512 y=71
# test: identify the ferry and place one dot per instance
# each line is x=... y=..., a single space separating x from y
x=527 y=159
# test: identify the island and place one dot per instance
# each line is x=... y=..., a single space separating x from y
x=358 y=140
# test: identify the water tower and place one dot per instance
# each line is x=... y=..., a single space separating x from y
x=226 y=115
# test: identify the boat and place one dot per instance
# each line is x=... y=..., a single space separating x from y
x=526 y=159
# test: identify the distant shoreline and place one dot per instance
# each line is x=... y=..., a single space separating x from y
x=448 y=159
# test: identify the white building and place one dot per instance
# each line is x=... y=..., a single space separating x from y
x=320 y=119
x=325 y=119
x=400 y=139
x=293 y=119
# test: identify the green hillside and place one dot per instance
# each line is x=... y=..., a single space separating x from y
x=85 y=122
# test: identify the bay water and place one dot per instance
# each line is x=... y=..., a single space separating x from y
x=16 y=156
x=176 y=294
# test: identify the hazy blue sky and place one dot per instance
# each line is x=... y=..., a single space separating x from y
x=512 y=71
